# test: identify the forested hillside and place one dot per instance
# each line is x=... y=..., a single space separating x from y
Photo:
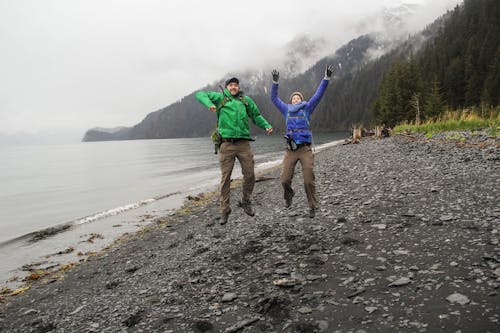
x=453 y=63
x=459 y=68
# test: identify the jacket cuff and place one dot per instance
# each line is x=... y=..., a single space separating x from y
x=327 y=78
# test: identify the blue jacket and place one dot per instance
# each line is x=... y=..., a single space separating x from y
x=298 y=116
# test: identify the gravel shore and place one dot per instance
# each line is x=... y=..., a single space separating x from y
x=406 y=240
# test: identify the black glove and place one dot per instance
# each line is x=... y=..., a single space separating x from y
x=329 y=71
x=276 y=75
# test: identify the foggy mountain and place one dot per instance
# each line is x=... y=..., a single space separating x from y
x=188 y=118
x=302 y=70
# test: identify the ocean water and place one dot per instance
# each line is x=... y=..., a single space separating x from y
x=103 y=187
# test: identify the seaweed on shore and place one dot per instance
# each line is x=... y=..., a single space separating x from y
x=46 y=233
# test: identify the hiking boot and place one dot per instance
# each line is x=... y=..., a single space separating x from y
x=247 y=208
x=312 y=213
x=224 y=218
x=288 y=200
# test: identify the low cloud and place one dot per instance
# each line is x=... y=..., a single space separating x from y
x=72 y=65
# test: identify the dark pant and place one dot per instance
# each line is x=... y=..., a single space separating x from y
x=229 y=151
x=305 y=156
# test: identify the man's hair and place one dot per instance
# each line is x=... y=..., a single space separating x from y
x=231 y=80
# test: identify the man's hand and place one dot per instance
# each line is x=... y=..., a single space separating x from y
x=213 y=108
x=269 y=131
x=276 y=75
x=329 y=71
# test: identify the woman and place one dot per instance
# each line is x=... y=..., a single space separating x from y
x=297 y=115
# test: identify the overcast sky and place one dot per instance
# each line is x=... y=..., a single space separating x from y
x=69 y=65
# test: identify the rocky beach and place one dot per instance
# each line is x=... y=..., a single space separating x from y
x=406 y=239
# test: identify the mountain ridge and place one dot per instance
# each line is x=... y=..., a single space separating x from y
x=186 y=117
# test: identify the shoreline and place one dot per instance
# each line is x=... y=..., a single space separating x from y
x=347 y=230
x=98 y=238
x=50 y=222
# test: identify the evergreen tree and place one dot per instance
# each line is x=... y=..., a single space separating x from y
x=454 y=82
x=473 y=73
x=434 y=102
x=491 y=90
x=463 y=56
x=399 y=85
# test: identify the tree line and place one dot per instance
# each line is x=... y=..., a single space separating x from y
x=458 y=68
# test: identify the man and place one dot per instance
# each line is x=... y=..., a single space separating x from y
x=297 y=115
x=233 y=109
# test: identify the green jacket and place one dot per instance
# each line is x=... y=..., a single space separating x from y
x=233 y=116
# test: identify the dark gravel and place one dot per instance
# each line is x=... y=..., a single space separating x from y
x=406 y=240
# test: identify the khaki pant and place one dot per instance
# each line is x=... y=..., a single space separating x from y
x=305 y=156
x=229 y=151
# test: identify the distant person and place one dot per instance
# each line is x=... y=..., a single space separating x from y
x=297 y=115
x=233 y=109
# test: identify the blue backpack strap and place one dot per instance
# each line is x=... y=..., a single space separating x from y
x=304 y=116
x=307 y=120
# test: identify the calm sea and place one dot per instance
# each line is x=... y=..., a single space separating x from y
x=106 y=183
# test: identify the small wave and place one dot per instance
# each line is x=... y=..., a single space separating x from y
x=38 y=235
x=112 y=212
x=205 y=185
x=121 y=209
x=273 y=163
x=159 y=197
x=328 y=144
x=188 y=170
x=51 y=231
x=269 y=164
